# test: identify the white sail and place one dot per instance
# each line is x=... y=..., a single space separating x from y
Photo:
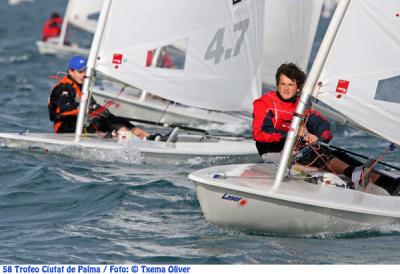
x=84 y=14
x=361 y=76
x=220 y=42
x=290 y=27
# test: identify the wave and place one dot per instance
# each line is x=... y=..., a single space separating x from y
x=14 y=59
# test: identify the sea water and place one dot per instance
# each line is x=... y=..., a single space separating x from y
x=57 y=209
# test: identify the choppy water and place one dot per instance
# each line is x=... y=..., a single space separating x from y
x=56 y=209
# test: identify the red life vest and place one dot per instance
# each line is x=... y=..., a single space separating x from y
x=273 y=116
x=280 y=112
x=51 y=28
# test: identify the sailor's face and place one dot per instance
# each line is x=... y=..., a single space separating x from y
x=287 y=87
x=77 y=75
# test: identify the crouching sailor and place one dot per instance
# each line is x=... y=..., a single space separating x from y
x=64 y=100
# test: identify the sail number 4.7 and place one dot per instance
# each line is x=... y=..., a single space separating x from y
x=216 y=50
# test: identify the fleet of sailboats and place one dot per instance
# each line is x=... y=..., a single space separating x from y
x=297 y=29
x=224 y=60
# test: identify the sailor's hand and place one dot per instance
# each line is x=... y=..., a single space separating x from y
x=310 y=139
x=303 y=132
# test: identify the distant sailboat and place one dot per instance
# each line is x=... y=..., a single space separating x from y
x=81 y=14
x=17 y=2
x=358 y=76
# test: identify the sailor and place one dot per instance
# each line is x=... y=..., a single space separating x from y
x=52 y=27
x=272 y=116
x=64 y=100
x=273 y=113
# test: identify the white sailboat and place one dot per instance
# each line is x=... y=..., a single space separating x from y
x=81 y=14
x=287 y=36
x=17 y=2
x=221 y=71
x=359 y=77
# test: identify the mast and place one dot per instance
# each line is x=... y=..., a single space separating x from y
x=64 y=26
x=309 y=86
x=90 y=68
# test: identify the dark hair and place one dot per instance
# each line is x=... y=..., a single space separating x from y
x=293 y=72
x=55 y=15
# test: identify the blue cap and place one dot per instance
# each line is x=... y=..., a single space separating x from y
x=77 y=63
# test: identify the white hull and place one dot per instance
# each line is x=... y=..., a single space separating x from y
x=95 y=147
x=130 y=104
x=16 y=2
x=60 y=50
x=296 y=207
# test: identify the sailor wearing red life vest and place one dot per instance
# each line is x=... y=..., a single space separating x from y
x=273 y=113
x=52 y=27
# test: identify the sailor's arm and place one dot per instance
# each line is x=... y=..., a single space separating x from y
x=67 y=105
x=318 y=128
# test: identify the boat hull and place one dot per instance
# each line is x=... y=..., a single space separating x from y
x=63 y=50
x=191 y=148
x=294 y=208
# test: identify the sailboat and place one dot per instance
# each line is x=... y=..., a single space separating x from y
x=287 y=36
x=81 y=14
x=358 y=76
x=133 y=102
x=221 y=71
x=16 y=2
